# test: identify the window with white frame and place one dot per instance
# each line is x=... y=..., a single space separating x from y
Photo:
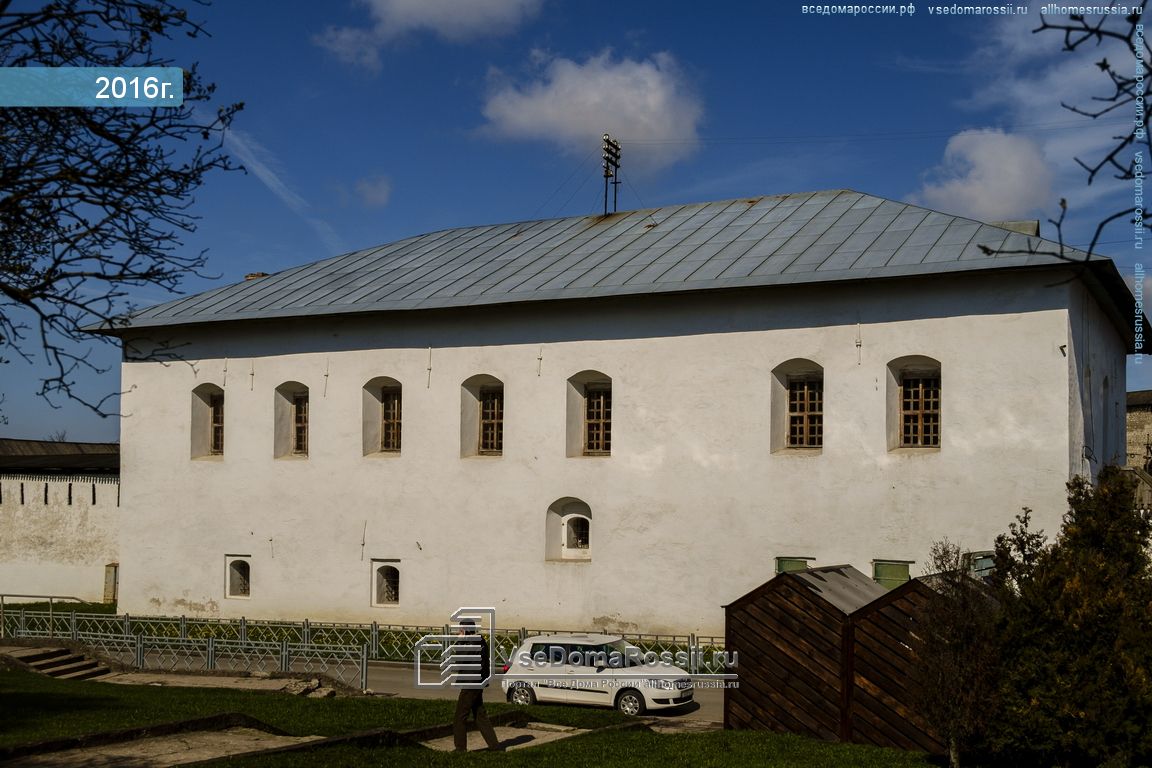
x=568 y=531
x=238 y=576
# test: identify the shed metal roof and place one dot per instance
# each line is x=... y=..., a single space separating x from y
x=842 y=586
x=808 y=237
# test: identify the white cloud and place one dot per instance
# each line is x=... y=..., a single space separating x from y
x=374 y=192
x=991 y=176
x=1025 y=79
x=647 y=105
x=451 y=20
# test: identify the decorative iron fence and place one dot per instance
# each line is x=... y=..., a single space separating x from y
x=179 y=643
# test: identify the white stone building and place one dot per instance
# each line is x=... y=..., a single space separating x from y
x=59 y=519
x=621 y=422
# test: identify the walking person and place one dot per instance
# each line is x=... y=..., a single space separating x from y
x=471 y=699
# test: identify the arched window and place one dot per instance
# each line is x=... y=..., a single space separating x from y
x=239 y=576
x=568 y=530
x=914 y=402
x=797 y=406
x=207 y=421
x=482 y=416
x=291 y=420
x=589 y=414
x=382 y=399
x=387 y=583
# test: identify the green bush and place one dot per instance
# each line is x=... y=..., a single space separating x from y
x=1075 y=634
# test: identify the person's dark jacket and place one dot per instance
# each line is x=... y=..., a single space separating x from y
x=479 y=643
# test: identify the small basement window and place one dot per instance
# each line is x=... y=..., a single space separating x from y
x=568 y=531
x=238 y=578
x=386 y=582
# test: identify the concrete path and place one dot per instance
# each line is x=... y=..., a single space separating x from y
x=163 y=750
x=160 y=679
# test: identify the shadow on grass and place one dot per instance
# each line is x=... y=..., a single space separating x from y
x=25 y=709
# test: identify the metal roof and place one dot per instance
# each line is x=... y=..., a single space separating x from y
x=842 y=586
x=1140 y=398
x=808 y=237
x=53 y=455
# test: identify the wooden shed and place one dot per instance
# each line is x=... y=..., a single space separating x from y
x=884 y=635
x=826 y=652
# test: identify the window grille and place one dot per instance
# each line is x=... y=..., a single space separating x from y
x=216 y=407
x=492 y=421
x=390 y=414
x=805 y=413
x=920 y=411
x=300 y=423
x=597 y=419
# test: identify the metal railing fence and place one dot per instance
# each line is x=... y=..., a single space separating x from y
x=180 y=643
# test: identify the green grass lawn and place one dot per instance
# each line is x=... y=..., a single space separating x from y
x=36 y=708
x=624 y=748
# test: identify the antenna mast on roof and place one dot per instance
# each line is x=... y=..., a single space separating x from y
x=611 y=171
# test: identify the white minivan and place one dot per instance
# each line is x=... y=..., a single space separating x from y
x=602 y=670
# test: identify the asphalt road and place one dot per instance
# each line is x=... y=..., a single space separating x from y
x=399 y=679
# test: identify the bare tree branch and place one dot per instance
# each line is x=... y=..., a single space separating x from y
x=1125 y=90
x=95 y=202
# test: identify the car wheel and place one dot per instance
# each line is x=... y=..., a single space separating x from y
x=630 y=702
x=522 y=695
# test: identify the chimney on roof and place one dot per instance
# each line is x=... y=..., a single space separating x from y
x=255 y=275
x=1029 y=227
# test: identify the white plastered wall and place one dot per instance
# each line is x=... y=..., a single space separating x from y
x=688 y=512
x=60 y=547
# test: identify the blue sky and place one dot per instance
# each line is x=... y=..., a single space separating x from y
x=367 y=121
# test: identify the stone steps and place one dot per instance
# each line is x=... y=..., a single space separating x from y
x=60 y=663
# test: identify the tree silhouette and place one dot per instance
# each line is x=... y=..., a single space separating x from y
x=94 y=201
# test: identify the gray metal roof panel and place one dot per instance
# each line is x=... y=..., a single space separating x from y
x=776 y=240
x=844 y=587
